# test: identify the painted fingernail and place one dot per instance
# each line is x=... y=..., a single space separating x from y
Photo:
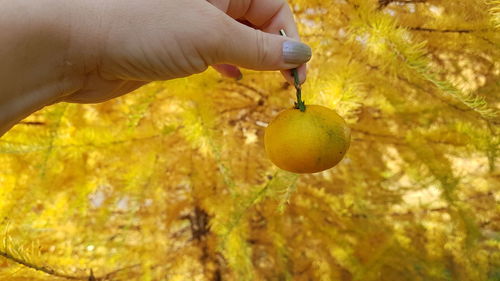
x=296 y=52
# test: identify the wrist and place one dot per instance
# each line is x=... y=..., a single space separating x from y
x=44 y=55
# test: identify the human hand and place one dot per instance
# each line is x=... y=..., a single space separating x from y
x=91 y=50
x=143 y=41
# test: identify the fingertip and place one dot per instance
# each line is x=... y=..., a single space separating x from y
x=288 y=76
x=301 y=70
x=296 y=52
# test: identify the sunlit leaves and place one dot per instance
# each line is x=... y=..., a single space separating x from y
x=172 y=182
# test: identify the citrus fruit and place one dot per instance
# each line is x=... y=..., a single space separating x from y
x=307 y=142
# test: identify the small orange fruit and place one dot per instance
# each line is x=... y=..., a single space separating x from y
x=307 y=142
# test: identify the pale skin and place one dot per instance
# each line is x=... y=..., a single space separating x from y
x=89 y=51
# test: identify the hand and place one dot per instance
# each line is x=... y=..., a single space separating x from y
x=91 y=50
x=152 y=40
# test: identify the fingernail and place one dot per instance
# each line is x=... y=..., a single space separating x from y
x=296 y=52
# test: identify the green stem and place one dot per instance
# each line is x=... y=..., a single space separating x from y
x=299 y=104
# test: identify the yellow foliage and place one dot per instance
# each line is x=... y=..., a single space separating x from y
x=172 y=182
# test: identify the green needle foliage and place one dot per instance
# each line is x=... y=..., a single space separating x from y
x=172 y=182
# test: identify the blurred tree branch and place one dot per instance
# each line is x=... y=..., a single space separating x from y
x=55 y=273
x=426 y=29
x=385 y=3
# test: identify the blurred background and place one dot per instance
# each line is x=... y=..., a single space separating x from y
x=172 y=182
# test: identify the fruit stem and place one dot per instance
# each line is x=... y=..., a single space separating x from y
x=299 y=104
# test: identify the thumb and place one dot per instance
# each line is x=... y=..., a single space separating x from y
x=254 y=49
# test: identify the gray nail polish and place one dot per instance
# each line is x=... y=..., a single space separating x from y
x=296 y=52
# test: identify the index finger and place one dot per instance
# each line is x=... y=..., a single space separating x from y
x=267 y=15
x=272 y=16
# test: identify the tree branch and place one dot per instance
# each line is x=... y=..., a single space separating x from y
x=426 y=29
x=32 y=123
x=423 y=90
x=384 y=3
x=41 y=268
x=55 y=273
x=399 y=140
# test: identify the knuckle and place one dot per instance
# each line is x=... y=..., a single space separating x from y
x=262 y=47
x=210 y=44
